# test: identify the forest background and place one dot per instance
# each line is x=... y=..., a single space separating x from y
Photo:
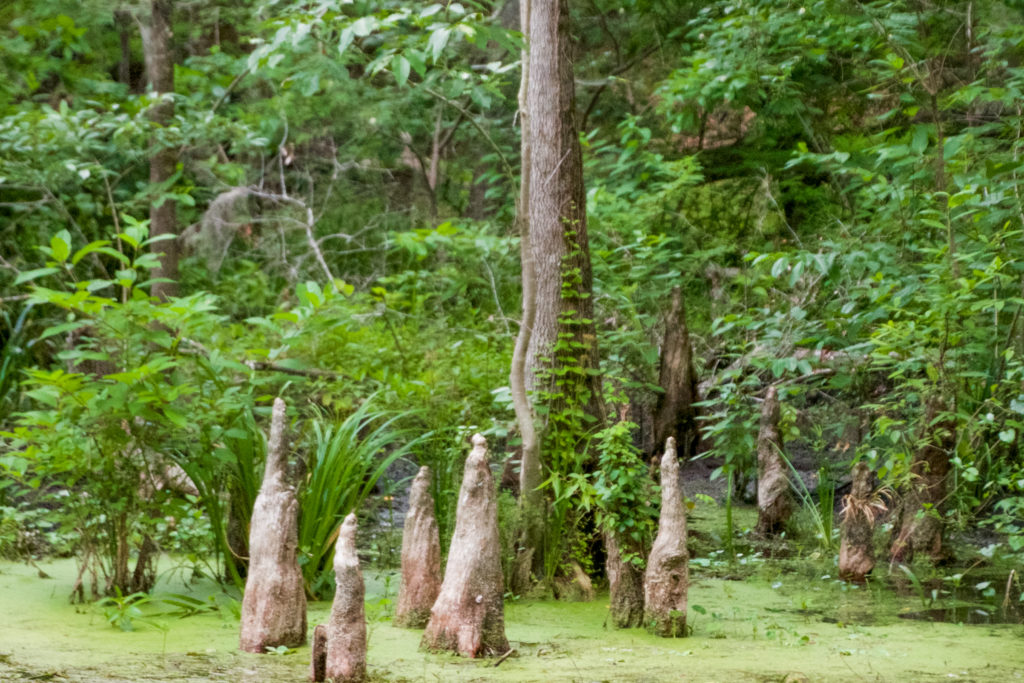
x=319 y=201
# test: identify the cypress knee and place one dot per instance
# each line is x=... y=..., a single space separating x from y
x=318 y=663
x=346 y=630
x=856 y=552
x=918 y=522
x=774 y=502
x=469 y=614
x=667 y=578
x=421 y=557
x=274 y=605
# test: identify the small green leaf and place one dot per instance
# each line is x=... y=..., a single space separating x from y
x=60 y=246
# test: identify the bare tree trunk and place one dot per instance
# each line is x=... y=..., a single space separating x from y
x=668 y=573
x=274 y=604
x=774 y=501
x=557 y=279
x=123 y=23
x=469 y=614
x=919 y=522
x=625 y=585
x=521 y=378
x=346 y=630
x=421 y=557
x=156 y=44
x=856 y=550
x=675 y=414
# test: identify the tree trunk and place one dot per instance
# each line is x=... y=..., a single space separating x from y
x=469 y=614
x=774 y=501
x=531 y=500
x=668 y=574
x=421 y=557
x=625 y=585
x=557 y=279
x=346 y=630
x=856 y=551
x=274 y=604
x=156 y=44
x=919 y=520
x=675 y=414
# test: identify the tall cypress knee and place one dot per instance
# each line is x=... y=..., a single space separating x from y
x=421 y=557
x=469 y=614
x=274 y=604
x=668 y=573
x=346 y=630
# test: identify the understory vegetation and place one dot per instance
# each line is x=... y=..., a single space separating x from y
x=834 y=188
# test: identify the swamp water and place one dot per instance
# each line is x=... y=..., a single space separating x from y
x=757 y=629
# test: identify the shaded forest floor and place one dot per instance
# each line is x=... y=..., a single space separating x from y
x=753 y=620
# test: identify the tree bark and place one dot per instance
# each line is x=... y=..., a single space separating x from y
x=675 y=414
x=774 y=501
x=557 y=279
x=667 y=578
x=346 y=630
x=156 y=44
x=274 y=605
x=531 y=500
x=856 y=550
x=469 y=614
x=421 y=557
x=625 y=586
x=919 y=521
x=318 y=658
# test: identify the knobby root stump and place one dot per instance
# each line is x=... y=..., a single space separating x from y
x=346 y=630
x=774 y=502
x=667 y=576
x=626 y=586
x=469 y=614
x=318 y=663
x=918 y=522
x=421 y=557
x=856 y=552
x=274 y=605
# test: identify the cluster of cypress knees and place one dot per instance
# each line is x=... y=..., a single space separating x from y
x=462 y=613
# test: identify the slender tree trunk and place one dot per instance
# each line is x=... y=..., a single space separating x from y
x=625 y=586
x=123 y=22
x=675 y=414
x=156 y=43
x=557 y=279
x=521 y=377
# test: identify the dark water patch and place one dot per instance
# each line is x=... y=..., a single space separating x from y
x=966 y=614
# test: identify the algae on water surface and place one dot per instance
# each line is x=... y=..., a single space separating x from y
x=750 y=630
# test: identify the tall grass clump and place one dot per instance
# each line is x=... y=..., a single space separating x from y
x=347 y=458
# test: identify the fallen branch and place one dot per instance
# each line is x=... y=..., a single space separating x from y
x=504 y=657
